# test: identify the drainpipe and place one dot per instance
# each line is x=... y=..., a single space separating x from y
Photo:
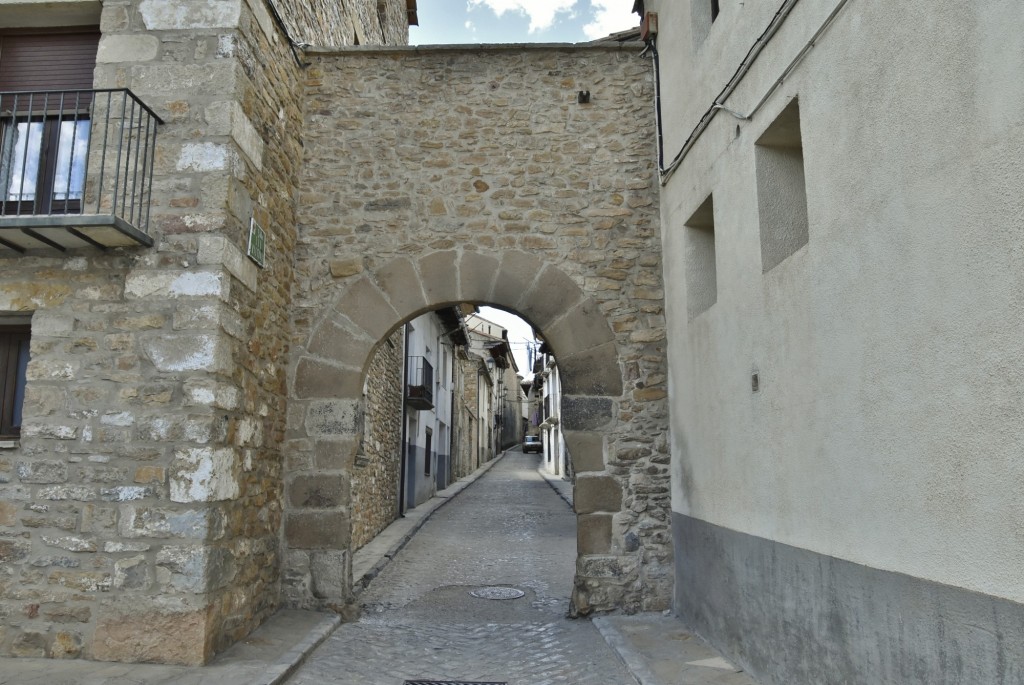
x=403 y=452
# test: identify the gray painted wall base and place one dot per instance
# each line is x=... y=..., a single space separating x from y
x=794 y=617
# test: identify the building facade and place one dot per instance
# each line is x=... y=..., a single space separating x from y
x=841 y=225
x=489 y=341
x=144 y=489
x=193 y=407
x=549 y=388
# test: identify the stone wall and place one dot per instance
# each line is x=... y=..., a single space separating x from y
x=142 y=506
x=377 y=471
x=464 y=461
x=346 y=22
x=511 y=193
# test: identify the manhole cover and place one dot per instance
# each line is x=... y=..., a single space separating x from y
x=498 y=593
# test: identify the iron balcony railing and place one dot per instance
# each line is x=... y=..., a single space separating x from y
x=419 y=383
x=78 y=160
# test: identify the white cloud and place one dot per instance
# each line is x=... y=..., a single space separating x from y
x=540 y=12
x=610 y=16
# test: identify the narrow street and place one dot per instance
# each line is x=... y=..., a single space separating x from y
x=420 y=622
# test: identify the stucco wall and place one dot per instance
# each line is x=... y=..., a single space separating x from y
x=883 y=429
x=141 y=510
x=884 y=347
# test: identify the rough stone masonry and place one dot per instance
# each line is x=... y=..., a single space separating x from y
x=474 y=174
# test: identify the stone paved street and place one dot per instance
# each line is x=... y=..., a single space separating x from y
x=420 y=622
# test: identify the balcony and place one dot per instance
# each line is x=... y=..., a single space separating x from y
x=419 y=383
x=76 y=170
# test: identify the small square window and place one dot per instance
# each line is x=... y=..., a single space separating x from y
x=701 y=266
x=781 y=188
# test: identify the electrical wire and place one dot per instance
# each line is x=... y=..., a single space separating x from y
x=284 y=29
x=730 y=86
x=733 y=83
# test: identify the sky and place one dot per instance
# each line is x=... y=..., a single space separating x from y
x=520 y=335
x=519 y=21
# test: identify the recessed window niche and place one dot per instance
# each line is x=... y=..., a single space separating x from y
x=701 y=269
x=781 y=189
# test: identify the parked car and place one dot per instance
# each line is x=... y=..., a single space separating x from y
x=531 y=443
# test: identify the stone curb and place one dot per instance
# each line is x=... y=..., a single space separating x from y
x=290 y=661
x=620 y=645
x=424 y=512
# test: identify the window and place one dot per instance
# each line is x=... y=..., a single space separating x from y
x=428 y=452
x=45 y=103
x=42 y=163
x=781 y=190
x=701 y=265
x=703 y=14
x=14 y=342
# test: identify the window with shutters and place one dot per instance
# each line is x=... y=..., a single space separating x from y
x=45 y=99
x=14 y=353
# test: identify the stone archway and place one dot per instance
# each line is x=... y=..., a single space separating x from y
x=615 y=548
x=515 y=193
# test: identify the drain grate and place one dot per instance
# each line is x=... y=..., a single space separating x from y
x=498 y=592
x=452 y=682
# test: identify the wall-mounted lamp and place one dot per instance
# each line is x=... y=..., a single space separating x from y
x=583 y=97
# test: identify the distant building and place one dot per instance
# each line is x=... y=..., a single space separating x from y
x=490 y=341
x=548 y=385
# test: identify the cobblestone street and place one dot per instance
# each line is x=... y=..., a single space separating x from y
x=421 y=622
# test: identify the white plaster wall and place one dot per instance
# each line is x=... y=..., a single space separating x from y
x=554 y=444
x=888 y=426
x=427 y=332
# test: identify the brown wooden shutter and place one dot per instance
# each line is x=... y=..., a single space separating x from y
x=54 y=61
